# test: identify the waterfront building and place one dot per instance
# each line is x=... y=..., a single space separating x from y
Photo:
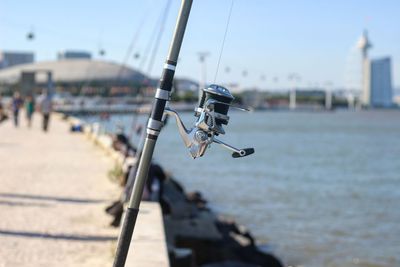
x=9 y=59
x=73 y=75
x=381 y=91
x=377 y=89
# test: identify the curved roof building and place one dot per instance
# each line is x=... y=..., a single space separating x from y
x=74 y=71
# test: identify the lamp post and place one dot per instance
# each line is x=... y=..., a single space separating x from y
x=203 y=76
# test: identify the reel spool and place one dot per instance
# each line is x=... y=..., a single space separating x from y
x=213 y=108
x=221 y=98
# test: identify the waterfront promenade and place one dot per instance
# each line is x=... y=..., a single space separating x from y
x=53 y=191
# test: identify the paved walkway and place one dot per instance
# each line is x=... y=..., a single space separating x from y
x=53 y=190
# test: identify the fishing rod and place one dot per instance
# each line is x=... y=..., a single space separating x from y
x=211 y=114
x=153 y=53
x=153 y=129
x=117 y=207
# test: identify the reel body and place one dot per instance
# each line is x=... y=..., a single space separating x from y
x=211 y=114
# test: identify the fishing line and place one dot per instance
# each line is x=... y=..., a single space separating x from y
x=160 y=33
x=135 y=40
x=156 y=39
x=132 y=173
x=151 y=41
x=223 y=40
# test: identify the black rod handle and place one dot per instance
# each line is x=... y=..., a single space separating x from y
x=125 y=238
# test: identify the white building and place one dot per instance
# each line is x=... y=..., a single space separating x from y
x=381 y=91
x=9 y=59
x=376 y=77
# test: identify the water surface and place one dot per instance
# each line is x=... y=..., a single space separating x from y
x=322 y=188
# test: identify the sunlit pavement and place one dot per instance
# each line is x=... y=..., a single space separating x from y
x=53 y=190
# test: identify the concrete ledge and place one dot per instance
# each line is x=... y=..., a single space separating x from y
x=149 y=245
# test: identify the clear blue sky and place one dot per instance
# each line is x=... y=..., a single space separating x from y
x=274 y=38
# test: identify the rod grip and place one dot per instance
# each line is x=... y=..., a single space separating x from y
x=124 y=240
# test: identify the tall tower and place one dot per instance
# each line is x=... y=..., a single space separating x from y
x=364 y=45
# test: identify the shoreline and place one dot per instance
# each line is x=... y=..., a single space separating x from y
x=196 y=235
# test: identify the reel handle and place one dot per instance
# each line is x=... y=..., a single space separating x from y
x=243 y=152
x=237 y=153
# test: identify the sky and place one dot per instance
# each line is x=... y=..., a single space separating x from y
x=314 y=39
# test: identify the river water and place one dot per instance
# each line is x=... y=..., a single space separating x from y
x=323 y=189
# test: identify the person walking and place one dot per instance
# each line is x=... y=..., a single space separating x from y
x=45 y=107
x=3 y=115
x=29 y=109
x=15 y=106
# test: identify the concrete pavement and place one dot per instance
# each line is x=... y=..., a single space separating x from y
x=53 y=191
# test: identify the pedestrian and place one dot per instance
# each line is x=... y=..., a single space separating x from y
x=3 y=115
x=29 y=109
x=45 y=107
x=15 y=106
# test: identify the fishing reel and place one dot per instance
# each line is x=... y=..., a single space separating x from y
x=211 y=114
